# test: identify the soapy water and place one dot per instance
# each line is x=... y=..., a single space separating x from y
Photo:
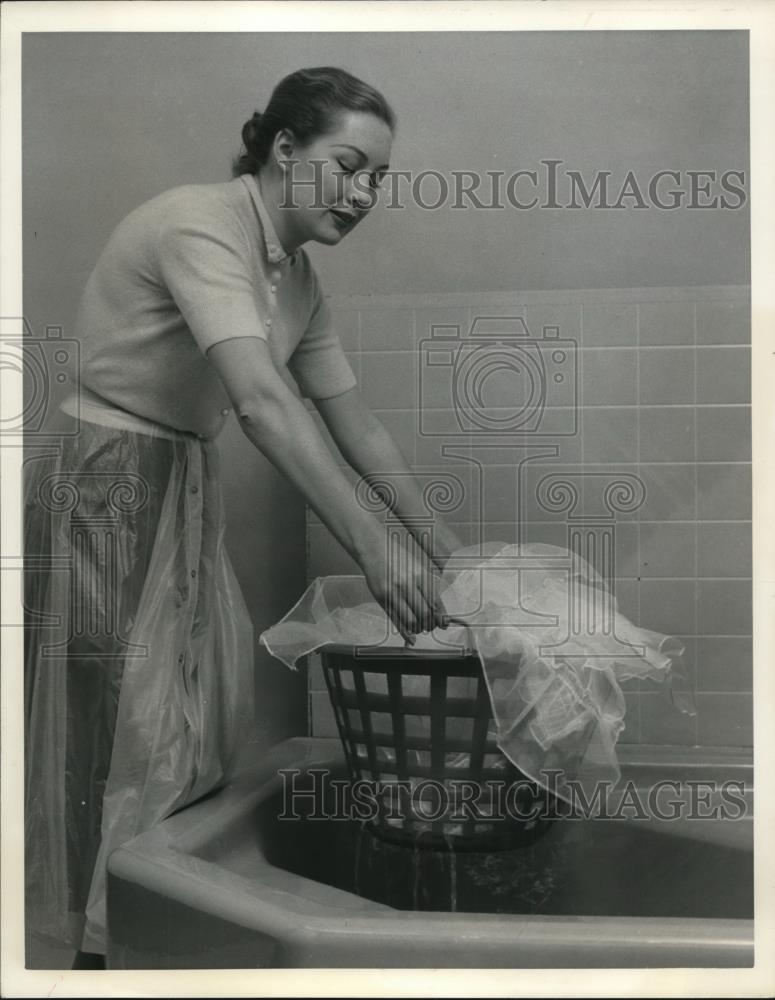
x=452 y=855
x=595 y=867
x=503 y=881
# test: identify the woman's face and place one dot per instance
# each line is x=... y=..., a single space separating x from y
x=333 y=183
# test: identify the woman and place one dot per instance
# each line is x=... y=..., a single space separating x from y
x=139 y=657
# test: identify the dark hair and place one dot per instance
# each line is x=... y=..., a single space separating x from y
x=307 y=103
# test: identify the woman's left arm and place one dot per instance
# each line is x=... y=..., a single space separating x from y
x=370 y=449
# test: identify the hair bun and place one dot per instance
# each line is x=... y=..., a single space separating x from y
x=251 y=132
x=307 y=104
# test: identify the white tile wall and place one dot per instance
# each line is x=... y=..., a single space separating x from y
x=664 y=387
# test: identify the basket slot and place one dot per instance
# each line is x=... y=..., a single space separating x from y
x=460 y=728
x=482 y=716
x=419 y=772
x=360 y=688
x=461 y=707
x=438 y=718
x=398 y=736
x=491 y=758
x=381 y=722
x=416 y=665
x=505 y=773
x=376 y=660
x=458 y=773
x=336 y=693
x=415 y=742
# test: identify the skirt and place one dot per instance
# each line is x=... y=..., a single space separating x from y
x=138 y=656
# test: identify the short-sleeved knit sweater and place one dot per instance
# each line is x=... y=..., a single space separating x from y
x=191 y=267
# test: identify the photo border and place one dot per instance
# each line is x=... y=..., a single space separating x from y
x=756 y=17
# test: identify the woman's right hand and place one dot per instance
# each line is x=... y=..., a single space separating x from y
x=405 y=582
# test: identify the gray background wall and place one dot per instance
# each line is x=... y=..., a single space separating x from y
x=111 y=120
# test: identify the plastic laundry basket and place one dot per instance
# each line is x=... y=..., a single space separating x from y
x=417 y=726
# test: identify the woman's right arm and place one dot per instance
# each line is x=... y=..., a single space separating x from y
x=280 y=426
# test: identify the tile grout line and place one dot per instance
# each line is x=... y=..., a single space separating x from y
x=696 y=719
x=592 y=406
x=601 y=347
x=580 y=402
x=509 y=299
x=720 y=693
x=359 y=342
x=314 y=519
x=582 y=451
x=469 y=313
x=638 y=551
x=415 y=412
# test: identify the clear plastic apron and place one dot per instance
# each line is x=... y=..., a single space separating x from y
x=138 y=653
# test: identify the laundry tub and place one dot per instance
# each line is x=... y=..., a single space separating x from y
x=273 y=871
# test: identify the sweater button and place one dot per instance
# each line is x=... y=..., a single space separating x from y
x=268 y=322
x=225 y=411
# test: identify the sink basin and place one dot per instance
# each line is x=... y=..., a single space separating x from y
x=236 y=881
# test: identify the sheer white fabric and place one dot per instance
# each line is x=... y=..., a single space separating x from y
x=552 y=643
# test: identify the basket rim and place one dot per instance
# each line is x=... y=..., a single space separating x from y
x=396 y=652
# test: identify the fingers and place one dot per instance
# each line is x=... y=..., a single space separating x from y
x=439 y=611
x=401 y=613
x=407 y=623
x=436 y=611
x=411 y=612
x=421 y=593
x=410 y=594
